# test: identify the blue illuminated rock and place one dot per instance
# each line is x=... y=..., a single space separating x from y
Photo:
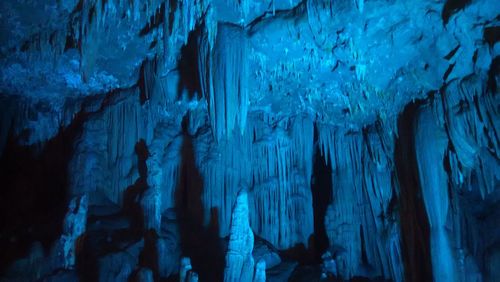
x=365 y=133
x=74 y=226
x=239 y=260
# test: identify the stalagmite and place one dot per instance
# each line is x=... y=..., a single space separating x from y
x=74 y=226
x=192 y=276
x=224 y=166
x=239 y=260
x=163 y=163
x=151 y=207
x=329 y=265
x=260 y=271
x=145 y=275
x=185 y=269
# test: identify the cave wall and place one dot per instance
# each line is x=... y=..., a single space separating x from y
x=157 y=113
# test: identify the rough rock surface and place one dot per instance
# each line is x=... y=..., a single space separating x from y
x=240 y=264
x=127 y=128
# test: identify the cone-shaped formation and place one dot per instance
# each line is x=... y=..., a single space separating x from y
x=240 y=265
x=239 y=260
x=223 y=73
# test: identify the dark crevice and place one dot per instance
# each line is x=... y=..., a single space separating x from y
x=149 y=255
x=267 y=17
x=491 y=35
x=34 y=191
x=364 y=258
x=493 y=72
x=188 y=66
x=448 y=71
x=131 y=205
x=413 y=217
x=452 y=53
x=97 y=244
x=452 y=7
x=198 y=242
x=321 y=189
x=155 y=20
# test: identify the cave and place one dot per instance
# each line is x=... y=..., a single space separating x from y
x=249 y=140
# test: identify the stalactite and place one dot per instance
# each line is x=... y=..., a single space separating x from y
x=431 y=143
x=223 y=73
x=276 y=162
x=314 y=72
x=224 y=166
x=115 y=132
x=88 y=34
x=302 y=137
x=123 y=120
x=465 y=173
x=469 y=113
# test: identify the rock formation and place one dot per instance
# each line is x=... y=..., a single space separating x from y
x=366 y=130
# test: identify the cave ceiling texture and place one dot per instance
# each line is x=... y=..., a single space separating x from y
x=249 y=140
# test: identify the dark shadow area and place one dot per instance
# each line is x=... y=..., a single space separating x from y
x=491 y=35
x=452 y=7
x=86 y=261
x=321 y=188
x=414 y=223
x=299 y=253
x=96 y=244
x=201 y=244
x=310 y=273
x=149 y=255
x=34 y=191
x=188 y=66
x=147 y=79
x=492 y=74
x=131 y=205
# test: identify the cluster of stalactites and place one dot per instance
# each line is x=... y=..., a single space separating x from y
x=469 y=112
x=180 y=19
x=359 y=221
x=88 y=27
x=116 y=132
x=457 y=153
x=223 y=72
x=282 y=153
x=224 y=167
x=275 y=160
